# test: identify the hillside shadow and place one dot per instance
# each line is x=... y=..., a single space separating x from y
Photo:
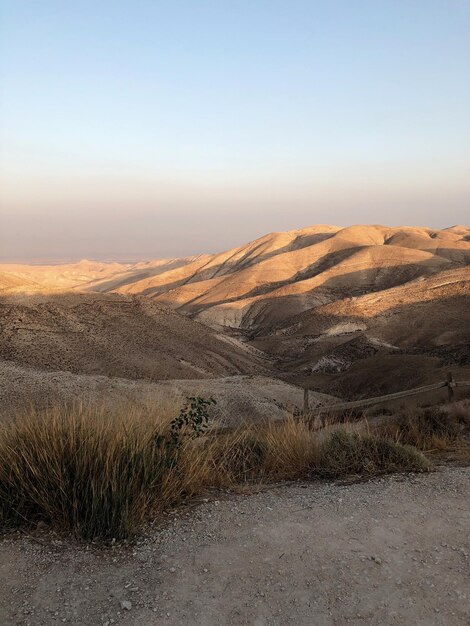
x=422 y=340
x=340 y=286
x=230 y=266
x=324 y=263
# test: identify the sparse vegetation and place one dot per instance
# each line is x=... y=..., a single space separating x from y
x=100 y=476
x=193 y=415
x=351 y=453
x=433 y=428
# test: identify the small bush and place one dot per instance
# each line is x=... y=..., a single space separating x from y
x=350 y=453
x=194 y=415
x=427 y=429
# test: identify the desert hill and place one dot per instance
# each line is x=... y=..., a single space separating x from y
x=253 y=288
x=81 y=276
x=379 y=342
x=269 y=279
x=128 y=352
x=346 y=311
x=115 y=335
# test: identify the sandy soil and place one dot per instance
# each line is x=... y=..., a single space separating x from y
x=392 y=551
x=239 y=398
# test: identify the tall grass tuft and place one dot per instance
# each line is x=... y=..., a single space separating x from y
x=80 y=470
x=434 y=428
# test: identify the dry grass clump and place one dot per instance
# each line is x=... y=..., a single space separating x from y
x=271 y=451
x=347 y=452
x=239 y=457
x=290 y=450
x=100 y=476
x=434 y=428
x=80 y=470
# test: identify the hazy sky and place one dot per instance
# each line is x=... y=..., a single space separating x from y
x=137 y=128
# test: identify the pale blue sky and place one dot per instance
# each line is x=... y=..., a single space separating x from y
x=139 y=128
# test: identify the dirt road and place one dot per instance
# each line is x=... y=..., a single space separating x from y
x=391 y=551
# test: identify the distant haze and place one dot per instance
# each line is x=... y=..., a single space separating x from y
x=161 y=129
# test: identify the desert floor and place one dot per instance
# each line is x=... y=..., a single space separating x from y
x=394 y=550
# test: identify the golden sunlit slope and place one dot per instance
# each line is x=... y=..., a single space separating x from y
x=282 y=274
x=365 y=269
x=84 y=275
x=44 y=278
x=10 y=282
x=267 y=280
x=216 y=267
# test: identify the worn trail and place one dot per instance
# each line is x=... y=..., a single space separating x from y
x=390 y=551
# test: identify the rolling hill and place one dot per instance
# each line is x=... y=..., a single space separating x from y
x=346 y=311
x=115 y=335
x=284 y=274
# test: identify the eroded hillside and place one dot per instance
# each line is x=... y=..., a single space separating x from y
x=283 y=274
x=115 y=335
x=346 y=311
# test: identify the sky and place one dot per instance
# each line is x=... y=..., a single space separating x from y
x=142 y=129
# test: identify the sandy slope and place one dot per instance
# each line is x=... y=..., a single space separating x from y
x=271 y=278
x=400 y=315
x=115 y=335
x=281 y=273
x=17 y=278
x=296 y=555
x=379 y=342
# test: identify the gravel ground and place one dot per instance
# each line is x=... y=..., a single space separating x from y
x=394 y=550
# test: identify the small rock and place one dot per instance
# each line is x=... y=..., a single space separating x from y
x=126 y=605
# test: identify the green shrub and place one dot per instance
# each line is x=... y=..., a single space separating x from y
x=194 y=415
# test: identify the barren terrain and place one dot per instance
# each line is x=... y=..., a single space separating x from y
x=320 y=307
x=113 y=335
x=346 y=312
x=239 y=398
x=349 y=312
x=306 y=553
